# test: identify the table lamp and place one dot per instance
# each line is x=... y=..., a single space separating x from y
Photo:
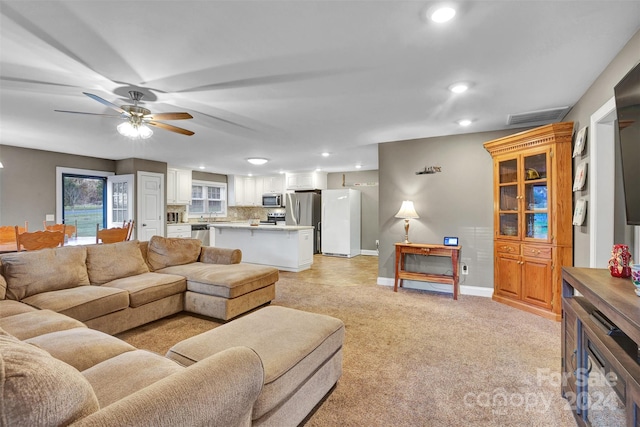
x=407 y=211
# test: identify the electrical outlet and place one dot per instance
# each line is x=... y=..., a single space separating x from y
x=377 y=244
x=465 y=269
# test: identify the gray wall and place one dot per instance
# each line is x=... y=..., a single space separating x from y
x=208 y=176
x=28 y=182
x=458 y=201
x=367 y=183
x=596 y=96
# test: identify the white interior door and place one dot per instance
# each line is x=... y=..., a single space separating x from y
x=120 y=197
x=150 y=205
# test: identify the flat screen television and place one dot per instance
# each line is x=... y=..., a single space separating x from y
x=627 y=96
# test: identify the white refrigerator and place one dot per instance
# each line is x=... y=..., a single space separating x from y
x=341 y=222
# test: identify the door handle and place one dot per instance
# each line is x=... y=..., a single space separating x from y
x=144 y=225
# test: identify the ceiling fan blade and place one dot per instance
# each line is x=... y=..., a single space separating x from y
x=171 y=128
x=168 y=116
x=107 y=103
x=91 y=114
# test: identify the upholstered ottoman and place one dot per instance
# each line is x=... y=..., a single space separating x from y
x=301 y=353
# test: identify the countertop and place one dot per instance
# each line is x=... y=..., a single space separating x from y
x=261 y=227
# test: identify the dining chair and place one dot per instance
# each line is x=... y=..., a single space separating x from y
x=130 y=225
x=69 y=230
x=111 y=235
x=31 y=241
x=8 y=241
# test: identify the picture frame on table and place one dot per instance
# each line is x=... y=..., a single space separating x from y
x=580 y=142
x=580 y=211
x=581 y=176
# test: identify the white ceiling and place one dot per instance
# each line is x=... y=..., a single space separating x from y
x=288 y=80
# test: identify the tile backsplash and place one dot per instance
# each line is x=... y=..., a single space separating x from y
x=234 y=213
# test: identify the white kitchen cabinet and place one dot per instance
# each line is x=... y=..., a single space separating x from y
x=248 y=190
x=273 y=184
x=178 y=186
x=179 y=230
x=243 y=191
x=307 y=181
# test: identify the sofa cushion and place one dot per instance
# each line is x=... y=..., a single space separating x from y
x=127 y=373
x=164 y=252
x=81 y=348
x=214 y=255
x=148 y=287
x=82 y=303
x=37 y=390
x=34 y=272
x=39 y=322
x=224 y=280
x=114 y=261
x=10 y=307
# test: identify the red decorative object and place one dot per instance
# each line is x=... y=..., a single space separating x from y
x=619 y=264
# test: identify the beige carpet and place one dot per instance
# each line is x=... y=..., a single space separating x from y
x=418 y=359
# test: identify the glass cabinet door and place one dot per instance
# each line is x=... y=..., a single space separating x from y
x=536 y=203
x=508 y=187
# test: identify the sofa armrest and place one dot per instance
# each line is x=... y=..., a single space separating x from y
x=213 y=255
x=219 y=390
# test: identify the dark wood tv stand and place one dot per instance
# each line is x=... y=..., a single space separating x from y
x=600 y=336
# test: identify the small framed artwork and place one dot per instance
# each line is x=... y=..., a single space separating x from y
x=581 y=177
x=581 y=139
x=580 y=211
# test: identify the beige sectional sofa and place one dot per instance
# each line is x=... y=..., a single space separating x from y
x=268 y=368
x=119 y=286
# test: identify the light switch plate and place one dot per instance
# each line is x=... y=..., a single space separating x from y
x=50 y=217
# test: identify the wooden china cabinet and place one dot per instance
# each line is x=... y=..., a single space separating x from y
x=532 y=217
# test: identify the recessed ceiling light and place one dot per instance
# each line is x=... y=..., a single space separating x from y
x=281 y=172
x=257 y=160
x=464 y=122
x=318 y=170
x=358 y=166
x=443 y=14
x=201 y=167
x=325 y=154
x=459 y=87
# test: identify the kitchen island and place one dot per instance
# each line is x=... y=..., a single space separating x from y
x=286 y=247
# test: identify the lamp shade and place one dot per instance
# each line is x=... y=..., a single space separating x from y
x=407 y=210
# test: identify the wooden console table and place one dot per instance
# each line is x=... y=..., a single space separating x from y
x=452 y=252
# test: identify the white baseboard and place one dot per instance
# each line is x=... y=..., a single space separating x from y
x=438 y=287
x=368 y=252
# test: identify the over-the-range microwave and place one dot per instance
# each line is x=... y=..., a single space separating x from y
x=272 y=200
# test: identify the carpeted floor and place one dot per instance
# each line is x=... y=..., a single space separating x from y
x=415 y=358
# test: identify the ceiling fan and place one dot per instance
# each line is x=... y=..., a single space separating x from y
x=136 y=118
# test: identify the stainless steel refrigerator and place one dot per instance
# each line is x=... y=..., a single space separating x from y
x=305 y=209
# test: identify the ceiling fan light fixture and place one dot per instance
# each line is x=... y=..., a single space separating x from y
x=134 y=131
x=257 y=160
